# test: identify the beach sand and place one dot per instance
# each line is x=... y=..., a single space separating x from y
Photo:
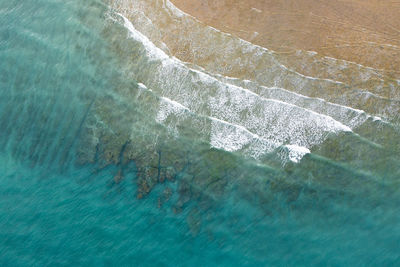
x=365 y=32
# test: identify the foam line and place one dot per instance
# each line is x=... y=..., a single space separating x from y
x=272 y=121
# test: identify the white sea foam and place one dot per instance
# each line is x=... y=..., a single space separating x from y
x=348 y=116
x=262 y=124
x=142 y=86
x=376 y=118
x=168 y=5
x=293 y=153
x=227 y=137
x=169 y=107
x=171 y=7
x=223 y=135
x=156 y=34
x=151 y=49
x=180 y=14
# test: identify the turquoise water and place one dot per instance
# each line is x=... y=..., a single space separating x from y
x=72 y=118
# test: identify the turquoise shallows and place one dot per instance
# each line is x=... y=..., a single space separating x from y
x=64 y=73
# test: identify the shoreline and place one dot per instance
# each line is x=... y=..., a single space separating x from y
x=363 y=32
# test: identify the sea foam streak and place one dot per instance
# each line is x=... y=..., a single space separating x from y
x=232 y=55
x=272 y=120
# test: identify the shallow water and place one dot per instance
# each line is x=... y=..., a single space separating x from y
x=105 y=160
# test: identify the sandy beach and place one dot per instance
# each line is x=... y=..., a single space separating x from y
x=365 y=32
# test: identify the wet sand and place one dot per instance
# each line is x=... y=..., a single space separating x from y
x=365 y=32
x=310 y=74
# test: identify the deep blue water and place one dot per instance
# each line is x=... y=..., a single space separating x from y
x=57 y=63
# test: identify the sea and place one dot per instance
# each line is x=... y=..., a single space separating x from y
x=115 y=152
